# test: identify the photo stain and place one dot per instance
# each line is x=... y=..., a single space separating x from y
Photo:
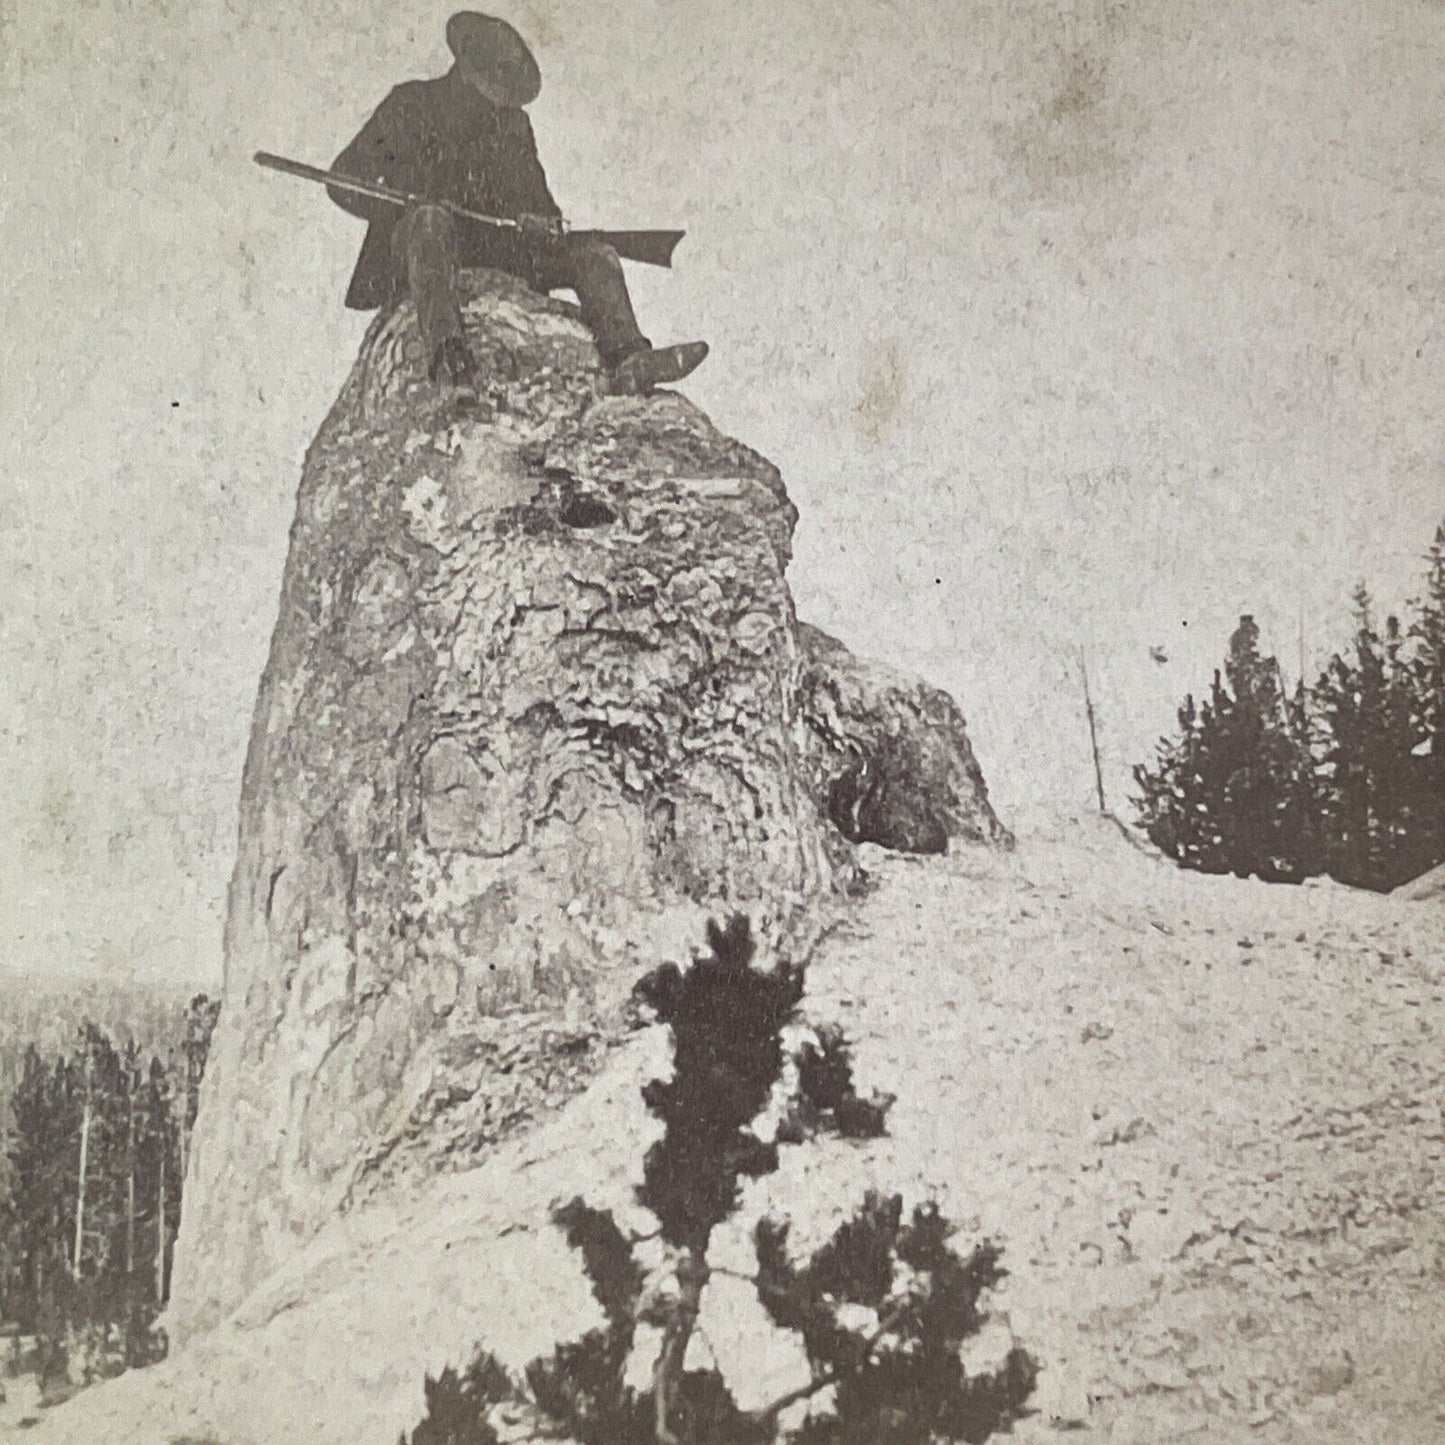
x=881 y=393
x=1078 y=129
x=1081 y=89
x=59 y=818
x=539 y=23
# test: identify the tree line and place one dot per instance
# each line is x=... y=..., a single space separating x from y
x=1345 y=776
x=97 y=1155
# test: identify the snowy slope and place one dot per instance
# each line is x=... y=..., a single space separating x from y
x=1204 y=1116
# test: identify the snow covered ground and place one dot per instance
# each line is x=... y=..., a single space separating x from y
x=19 y=1401
x=1204 y=1115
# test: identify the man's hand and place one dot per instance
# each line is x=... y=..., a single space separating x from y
x=540 y=228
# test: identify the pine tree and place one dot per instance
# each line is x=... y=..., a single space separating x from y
x=134 y=1085
x=1369 y=719
x=160 y=1179
x=1260 y=785
x=1426 y=666
x=1232 y=793
x=721 y=1080
x=35 y=1203
x=1304 y=822
x=99 y=1175
x=82 y=1166
x=1170 y=810
x=899 y=1380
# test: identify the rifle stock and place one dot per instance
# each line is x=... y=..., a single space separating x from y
x=652 y=248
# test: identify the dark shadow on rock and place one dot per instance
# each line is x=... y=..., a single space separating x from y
x=891 y=756
x=884 y=798
x=583 y=511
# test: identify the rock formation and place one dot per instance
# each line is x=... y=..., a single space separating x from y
x=537 y=702
x=891 y=758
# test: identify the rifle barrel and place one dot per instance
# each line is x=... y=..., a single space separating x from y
x=374 y=189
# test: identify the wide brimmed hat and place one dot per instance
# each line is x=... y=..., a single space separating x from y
x=496 y=56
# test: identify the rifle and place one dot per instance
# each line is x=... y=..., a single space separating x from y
x=654 y=248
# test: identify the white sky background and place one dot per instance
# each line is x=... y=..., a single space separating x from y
x=1066 y=322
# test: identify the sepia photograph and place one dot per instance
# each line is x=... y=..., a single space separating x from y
x=722 y=725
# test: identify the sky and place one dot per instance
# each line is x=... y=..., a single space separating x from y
x=1074 y=327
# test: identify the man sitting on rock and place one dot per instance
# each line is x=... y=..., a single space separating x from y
x=464 y=138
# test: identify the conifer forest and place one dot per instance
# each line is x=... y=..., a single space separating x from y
x=1344 y=776
x=97 y=1129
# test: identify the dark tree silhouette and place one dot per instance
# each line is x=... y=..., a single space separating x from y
x=1370 y=729
x=901 y=1381
x=1233 y=793
x=1345 y=777
x=88 y=1220
x=1426 y=662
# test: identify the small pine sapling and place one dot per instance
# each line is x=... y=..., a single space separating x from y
x=897 y=1378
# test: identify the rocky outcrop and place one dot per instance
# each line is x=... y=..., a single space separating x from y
x=890 y=755
x=536 y=703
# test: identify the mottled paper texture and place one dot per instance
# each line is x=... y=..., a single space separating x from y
x=1075 y=331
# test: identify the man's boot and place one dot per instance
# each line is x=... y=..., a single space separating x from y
x=652 y=366
x=453 y=370
x=452 y=364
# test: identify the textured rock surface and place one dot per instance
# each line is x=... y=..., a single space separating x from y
x=890 y=754
x=534 y=706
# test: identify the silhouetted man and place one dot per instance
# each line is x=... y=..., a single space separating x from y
x=465 y=138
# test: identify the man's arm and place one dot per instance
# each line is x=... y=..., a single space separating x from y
x=379 y=153
x=534 y=196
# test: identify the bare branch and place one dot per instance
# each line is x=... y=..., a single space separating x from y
x=804 y=1392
